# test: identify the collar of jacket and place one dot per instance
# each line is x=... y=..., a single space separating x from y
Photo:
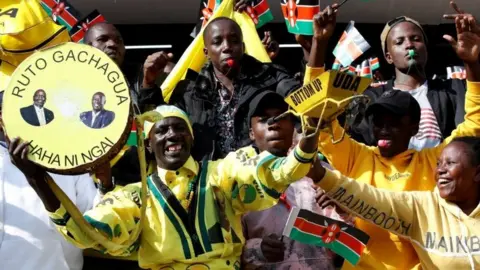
x=205 y=79
x=190 y=167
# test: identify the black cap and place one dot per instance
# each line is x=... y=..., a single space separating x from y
x=265 y=100
x=397 y=102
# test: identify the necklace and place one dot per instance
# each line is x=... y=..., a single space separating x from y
x=191 y=191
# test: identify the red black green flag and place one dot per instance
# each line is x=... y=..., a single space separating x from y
x=298 y=15
x=258 y=10
x=80 y=28
x=62 y=12
x=310 y=228
x=207 y=7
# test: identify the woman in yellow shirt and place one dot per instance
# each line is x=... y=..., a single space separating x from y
x=443 y=225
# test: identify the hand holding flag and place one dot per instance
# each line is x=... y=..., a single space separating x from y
x=324 y=23
x=312 y=229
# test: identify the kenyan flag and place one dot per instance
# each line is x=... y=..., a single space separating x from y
x=80 y=28
x=313 y=229
x=207 y=7
x=259 y=11
x=299 y=14
x=132 y=138
x=62 y=12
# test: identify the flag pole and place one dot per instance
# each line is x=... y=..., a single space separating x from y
x=342 y=3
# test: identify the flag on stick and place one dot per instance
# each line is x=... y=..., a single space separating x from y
x=260 y=12
x=374 y=63
x=366 y=70
x=350 y=46
x=298 y=15
x=207 y=7
x=310 y=228
x=62 y=12
x=78 y=31
x=456 y=72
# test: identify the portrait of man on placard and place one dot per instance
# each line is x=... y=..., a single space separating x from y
x=98 y=117
x=36 y=114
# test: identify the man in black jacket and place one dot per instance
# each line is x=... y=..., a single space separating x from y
x=442 y=101
x=217 y=98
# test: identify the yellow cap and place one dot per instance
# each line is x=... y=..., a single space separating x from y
x=165 y=111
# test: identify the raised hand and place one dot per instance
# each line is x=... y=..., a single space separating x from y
x=467 y=45
x=460 y=12
x=154 y=64
x=271 y=46
x=240 y=5
x=324 y=23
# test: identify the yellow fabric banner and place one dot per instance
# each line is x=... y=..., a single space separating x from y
x=25 y=27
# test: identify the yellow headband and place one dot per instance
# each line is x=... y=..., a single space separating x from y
x=164 y=111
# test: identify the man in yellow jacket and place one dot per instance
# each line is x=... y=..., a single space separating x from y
x=395 y=119
x=194 y=208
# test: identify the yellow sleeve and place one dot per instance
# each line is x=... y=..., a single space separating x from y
x=116 y=216
x=256 y=183
x=471 y=124
x=312 y=73
x=343 y=155
x=393 y=211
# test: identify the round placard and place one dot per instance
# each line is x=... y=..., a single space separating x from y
x=72 y=103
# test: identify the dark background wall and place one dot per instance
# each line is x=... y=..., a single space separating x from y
x=440 y=53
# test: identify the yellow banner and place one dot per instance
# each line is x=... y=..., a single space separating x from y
x=24 y=28
x=332 y=89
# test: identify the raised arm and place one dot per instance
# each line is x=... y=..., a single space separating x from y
x=254 y=182
x=116 y=215
x=396 y=212
x=467 y=48
x=343 y=155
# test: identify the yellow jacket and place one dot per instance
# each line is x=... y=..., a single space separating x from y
x=208 y=234
x=442 y=235
x=408 y=171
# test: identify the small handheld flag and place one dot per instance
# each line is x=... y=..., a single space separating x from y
x=374 y=63
x=456 y=72
x=309 y=228
x=366 y=70
x=350 y=46
x=207 y=7
x=298 y=15
x=336 y=65
x=78 y=31
x=259 y=11
x=62 y=12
